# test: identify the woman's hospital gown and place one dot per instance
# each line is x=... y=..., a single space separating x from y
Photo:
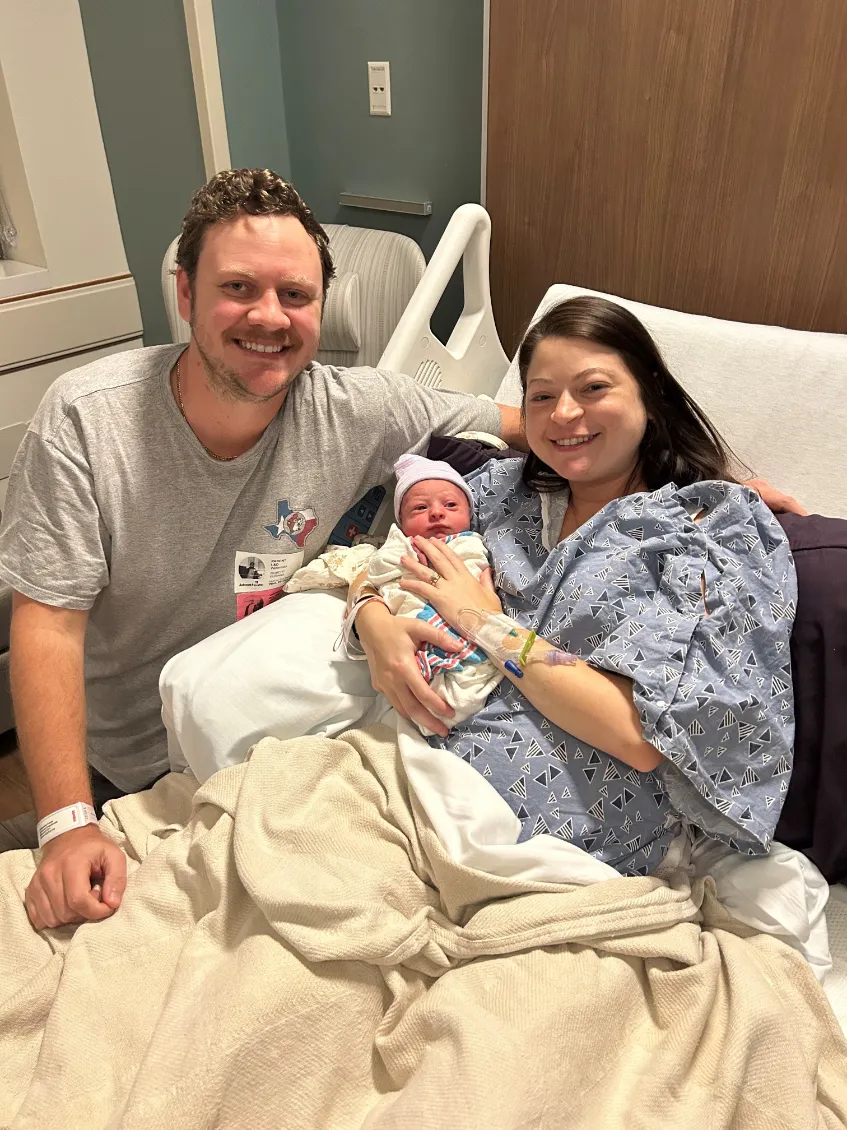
x=624 y=593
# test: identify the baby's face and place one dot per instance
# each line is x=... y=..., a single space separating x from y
x=434 y=508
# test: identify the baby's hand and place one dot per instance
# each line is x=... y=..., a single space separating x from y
x=421 y=557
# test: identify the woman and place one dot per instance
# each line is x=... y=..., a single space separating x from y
x=624 y=539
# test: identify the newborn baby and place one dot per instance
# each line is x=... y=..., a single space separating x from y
x=433 y=501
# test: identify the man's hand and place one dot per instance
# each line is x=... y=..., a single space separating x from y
x=775 y=500
x=62 y=889
x=390 y=643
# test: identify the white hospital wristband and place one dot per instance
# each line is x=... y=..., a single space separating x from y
x=64 y=820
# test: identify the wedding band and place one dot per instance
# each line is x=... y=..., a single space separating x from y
x=434 y=579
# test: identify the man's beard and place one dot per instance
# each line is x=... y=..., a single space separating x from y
x=224 y=380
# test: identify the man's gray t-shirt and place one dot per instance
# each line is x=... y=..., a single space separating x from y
x=114 y=506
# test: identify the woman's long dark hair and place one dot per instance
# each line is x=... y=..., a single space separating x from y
x=680 y=444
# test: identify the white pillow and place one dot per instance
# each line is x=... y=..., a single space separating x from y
x=275 y=673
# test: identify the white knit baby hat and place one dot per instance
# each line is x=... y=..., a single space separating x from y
x=411 y=469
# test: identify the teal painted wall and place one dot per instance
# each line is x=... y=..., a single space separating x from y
x=429 y=149
x=141 y=71
x=251 y=77
x=295 y=91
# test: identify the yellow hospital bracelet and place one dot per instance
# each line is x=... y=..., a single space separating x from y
x=527 y=647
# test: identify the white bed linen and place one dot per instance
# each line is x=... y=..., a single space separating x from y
x=275 y=674
x=835 y=985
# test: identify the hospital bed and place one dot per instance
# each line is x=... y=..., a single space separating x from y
x=778 y=396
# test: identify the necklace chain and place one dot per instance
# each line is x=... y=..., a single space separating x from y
x=208 y=450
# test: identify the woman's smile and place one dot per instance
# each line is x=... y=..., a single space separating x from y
x=575 y=441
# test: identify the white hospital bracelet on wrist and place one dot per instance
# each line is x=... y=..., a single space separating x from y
x=64 y=820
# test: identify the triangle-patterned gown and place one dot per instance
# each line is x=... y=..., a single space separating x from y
x=624 y=593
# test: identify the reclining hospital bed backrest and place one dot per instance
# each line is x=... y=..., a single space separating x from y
x=778 y=396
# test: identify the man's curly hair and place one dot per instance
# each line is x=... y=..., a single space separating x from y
x=255 y=192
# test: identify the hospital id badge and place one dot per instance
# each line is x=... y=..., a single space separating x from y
x=258 y=579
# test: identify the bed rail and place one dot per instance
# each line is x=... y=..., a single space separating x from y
x=473 y=359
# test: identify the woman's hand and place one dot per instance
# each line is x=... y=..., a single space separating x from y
x=455 y=588
x=390 y=644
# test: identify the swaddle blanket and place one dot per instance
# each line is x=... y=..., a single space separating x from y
x=335 y=568
x=465 y=679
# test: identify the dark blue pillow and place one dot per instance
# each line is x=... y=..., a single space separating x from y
x=814 y=817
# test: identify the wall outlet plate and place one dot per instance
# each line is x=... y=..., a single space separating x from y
x=379 y=89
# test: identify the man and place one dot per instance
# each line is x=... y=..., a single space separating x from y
x=236 y=447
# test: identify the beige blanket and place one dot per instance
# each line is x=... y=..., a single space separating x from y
x=296 y=950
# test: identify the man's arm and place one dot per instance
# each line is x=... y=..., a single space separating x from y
x=410 y=413
x=48 y=692
x=511 y=427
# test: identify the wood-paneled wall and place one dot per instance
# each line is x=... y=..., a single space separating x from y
x=685 y=153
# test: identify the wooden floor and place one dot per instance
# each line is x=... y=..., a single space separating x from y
x=14 y=791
